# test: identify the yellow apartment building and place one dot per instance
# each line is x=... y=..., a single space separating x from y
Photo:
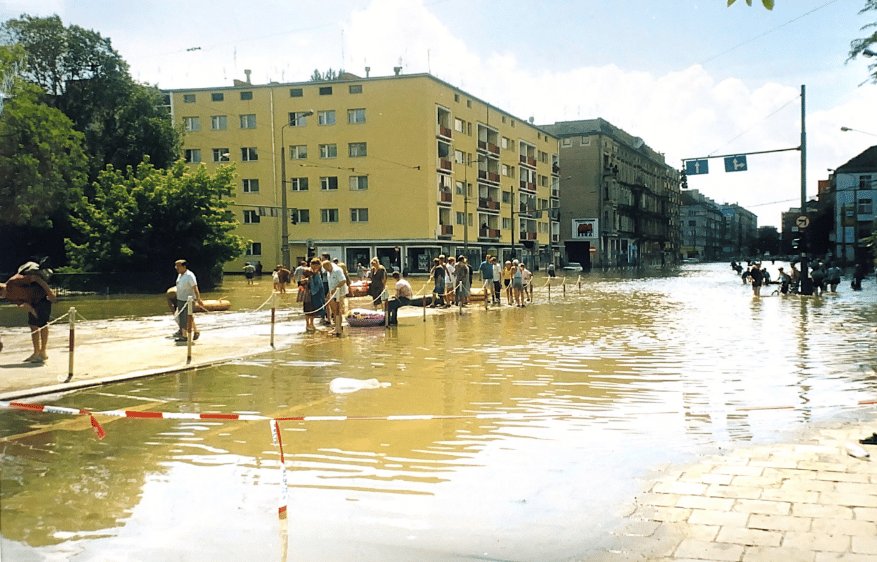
x=402 y=167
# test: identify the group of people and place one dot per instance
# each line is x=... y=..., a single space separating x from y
x=824 y=276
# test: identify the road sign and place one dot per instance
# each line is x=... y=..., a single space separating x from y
x=695 y=167
x=735 y=163
x=802 y=221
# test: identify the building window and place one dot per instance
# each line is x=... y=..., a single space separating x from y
x=326 y=117
x=865 y=182
x=246 y=95
x=358 y=215
x=217 y=97
x=458 y=126
x=296 y=92
x=300 y=215
x=251 y=217
x=298 y=119
x=328 y=151
x=356 y=116
x=298 y=152
x=221 y=155
x=355 y=88
x=219 y=122
x=254 y=248
x=249 y=154
x=357 y=149
x=866 y=206
x=457 y=97
x=325 y=90
x=193 y=155
x=248 y=121
x=329 y=183
x=329 y=215
x=566 y=142
x=299 y=184
x=358 y=183
x=461 y=217
x=250 y=185
x=192 y=124
x=188 y=98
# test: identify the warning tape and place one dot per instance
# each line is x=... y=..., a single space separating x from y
x=274 y=422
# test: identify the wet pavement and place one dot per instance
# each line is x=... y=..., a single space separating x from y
x=799 y=497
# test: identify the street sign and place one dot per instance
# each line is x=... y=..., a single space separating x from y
x=695 y=167
x=802 y=221
x=735 y=163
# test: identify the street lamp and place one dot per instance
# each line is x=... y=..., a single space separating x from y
x=848 y=129
x=284 y=210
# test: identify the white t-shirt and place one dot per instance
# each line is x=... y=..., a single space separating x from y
x=337 y=280
x=186 y=283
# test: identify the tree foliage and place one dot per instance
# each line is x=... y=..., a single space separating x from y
x=766 y=3
x=145 y=218
x=862 y=46
x=327 y=76
x=42 y=162
x=83 y=76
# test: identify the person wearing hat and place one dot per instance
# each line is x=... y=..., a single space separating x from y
x=29 y=290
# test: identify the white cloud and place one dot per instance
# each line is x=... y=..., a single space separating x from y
x=684 y=113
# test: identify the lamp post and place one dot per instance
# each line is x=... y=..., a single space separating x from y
x=848 y=129
x=514 y=251
x=284 y=210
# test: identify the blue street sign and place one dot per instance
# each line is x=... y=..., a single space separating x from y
x=695 y=167
x=735 y=163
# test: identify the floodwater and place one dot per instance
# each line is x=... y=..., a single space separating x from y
x=614 y=379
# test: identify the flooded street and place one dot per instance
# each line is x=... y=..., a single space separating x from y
x=614 y=379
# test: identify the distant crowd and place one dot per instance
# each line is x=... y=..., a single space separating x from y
x=825 y=276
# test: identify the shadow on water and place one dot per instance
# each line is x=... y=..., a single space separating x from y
x=619 y=376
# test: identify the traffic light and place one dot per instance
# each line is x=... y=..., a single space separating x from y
x=293 y=216
x=684 y=180
x=796 y=243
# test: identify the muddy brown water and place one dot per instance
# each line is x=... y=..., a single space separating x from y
x=616 y=379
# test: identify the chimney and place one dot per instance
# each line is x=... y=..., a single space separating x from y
x=247 y=72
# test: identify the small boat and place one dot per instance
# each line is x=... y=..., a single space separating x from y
x=362 y=318
x=210 y=305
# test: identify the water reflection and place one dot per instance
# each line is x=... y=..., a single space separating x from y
x=624 y=374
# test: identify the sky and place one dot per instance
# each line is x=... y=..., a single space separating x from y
x=692 y=78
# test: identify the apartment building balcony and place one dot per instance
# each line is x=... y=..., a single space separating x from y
x=445 y=165
x=528 y=236
x=445 y=132
x=531 y=162
x=485 y=146
x=446 y=231
x=528 y=186
x=488 y=204
x=446 y=197
x=488 y=233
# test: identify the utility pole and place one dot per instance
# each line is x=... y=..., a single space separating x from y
x=806 y=287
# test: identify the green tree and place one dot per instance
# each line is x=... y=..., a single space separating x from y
x=83 y=76
x=145 y=218
x=766 y=3
x=327 y=76
x=863 y=45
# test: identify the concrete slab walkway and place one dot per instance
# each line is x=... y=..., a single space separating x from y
x=808 y=500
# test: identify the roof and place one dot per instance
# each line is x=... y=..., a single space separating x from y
x=864 y=162
x=600 y=126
